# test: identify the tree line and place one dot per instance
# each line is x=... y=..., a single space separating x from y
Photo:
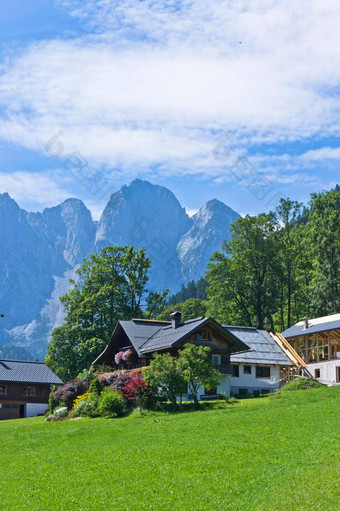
x=279 y=267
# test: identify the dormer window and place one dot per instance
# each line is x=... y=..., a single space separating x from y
x=203 y=335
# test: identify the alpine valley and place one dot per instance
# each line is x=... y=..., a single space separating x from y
x=39 y=252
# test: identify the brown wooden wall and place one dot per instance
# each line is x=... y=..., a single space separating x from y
x=15 y=392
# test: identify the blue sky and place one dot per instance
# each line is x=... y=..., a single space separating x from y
x=214 y=99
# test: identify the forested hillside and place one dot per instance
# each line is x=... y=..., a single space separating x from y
x=278 y=267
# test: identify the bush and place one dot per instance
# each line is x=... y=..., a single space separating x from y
x=111 y=404
x=68 y=392
x=58 y=414
x=51 y=401
x=61 y=412
x=86 y=405
x=95 y=387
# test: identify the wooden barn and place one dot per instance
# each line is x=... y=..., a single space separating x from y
x=24 y=388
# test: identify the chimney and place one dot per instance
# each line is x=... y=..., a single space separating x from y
x=305 y=322
x=176 y=317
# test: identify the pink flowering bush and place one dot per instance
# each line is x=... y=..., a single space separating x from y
x=126 y=355
x=118 y=357
x=107 y=378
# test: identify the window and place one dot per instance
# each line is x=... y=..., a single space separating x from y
x=242 y=392
x=263 y=372
x=247 y=369
x=211 y=392
x=28 y=391
x=216 y=360
x=203 y=335
x=3 y=390
x=317 y=373
x=235 y=370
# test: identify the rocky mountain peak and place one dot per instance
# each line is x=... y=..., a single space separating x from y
x=41 y=251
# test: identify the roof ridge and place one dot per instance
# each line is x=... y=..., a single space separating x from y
x=239 y=326
x=23 y=361
x=193 y=320
x=149 y=320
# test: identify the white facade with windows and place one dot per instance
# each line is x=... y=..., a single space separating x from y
x=256 y=370
x=254 y=377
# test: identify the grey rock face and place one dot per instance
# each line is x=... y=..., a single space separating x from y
x=39 y=252
x=150 y=216
x=210 y=228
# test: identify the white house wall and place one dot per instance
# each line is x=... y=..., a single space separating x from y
x=224 y=387
x=329 y=370
x=34 y=409
x=251 y=383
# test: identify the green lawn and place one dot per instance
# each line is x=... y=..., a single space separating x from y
x=260 y=454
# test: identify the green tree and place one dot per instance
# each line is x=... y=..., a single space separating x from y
x=192 y=308
x=165 y=374
x=324 y=234
x=110 y=287
x=155 y=303
x=242 y=284
x=289 y=214
x=197 y=369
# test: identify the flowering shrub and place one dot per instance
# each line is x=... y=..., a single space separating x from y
x=82 y=397
x=58 y=414
x=86 y=405
x=126 y=355
x=61 y=412
x=118 y=357
x=107 y=378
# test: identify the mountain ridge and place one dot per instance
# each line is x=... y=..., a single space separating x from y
x=41 y=251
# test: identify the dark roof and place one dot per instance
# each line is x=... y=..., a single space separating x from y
x=315 y=326
x=147 y=336
x=263 y=350
x=27 y=372
x=168 y=337
x=139 y=331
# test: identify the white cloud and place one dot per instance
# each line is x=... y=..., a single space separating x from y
x=36 y=191
x=157 y=84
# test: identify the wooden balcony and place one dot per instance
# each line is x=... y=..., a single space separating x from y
x=223 y=368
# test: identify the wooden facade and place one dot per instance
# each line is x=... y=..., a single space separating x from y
x=14 y=396
x=318 y=347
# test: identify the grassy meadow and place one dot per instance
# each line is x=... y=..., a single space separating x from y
x=278 y=453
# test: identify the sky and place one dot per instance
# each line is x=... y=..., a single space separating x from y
x=225 y=99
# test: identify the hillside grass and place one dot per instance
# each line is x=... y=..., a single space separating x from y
x=275 y=453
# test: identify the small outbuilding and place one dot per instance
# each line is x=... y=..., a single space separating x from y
x=24 y=388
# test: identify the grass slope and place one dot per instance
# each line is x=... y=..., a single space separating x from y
x=261 y=454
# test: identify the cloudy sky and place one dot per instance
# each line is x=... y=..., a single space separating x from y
x=230 y=99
